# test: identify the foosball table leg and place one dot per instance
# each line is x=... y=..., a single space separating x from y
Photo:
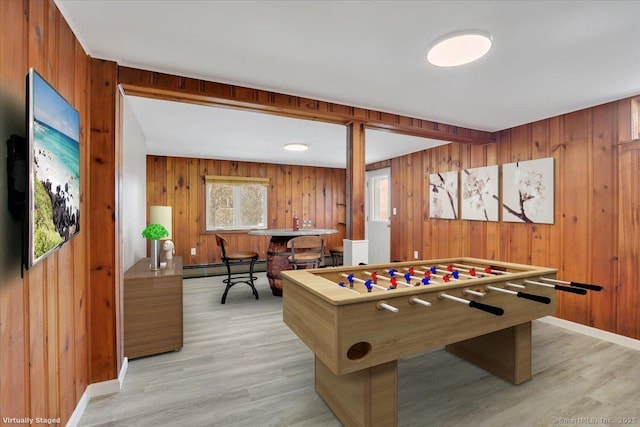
x=505 y=353
x=363 y=398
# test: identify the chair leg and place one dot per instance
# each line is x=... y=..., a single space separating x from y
x=227 y=281
x=252 y=277
x=336 y=259
x=230 y=282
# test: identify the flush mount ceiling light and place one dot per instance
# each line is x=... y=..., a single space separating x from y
x=459 y=48
x=296 y=147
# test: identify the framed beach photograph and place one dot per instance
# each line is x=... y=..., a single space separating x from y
x=53 y=213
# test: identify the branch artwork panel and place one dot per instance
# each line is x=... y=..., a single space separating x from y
x=480 y=194
x=527 y=191
x=443 y=198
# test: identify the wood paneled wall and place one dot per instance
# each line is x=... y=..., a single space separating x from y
x=583 y=243
x=627 y=297
x=313 y=193
x=106 y=275
x=44 y=340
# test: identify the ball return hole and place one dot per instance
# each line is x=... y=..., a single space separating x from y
x=358 y=350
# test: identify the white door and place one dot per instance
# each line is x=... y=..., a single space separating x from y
x=378 y=208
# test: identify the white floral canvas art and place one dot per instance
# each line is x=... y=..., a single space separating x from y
x=479 y=188
x=527 y=191
x=443 y=198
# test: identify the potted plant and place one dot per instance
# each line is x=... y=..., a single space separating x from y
x=155 y=232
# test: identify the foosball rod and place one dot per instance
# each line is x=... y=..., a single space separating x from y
x=474 y=293
x=415 y=300
x=515 y=285
x=357 y=279
x=406 y=276
x=474 y=304
x=429 y=274
x=596 y=288
x=388 y=279
x=461 y=274
x=578 y=291
x=384 y=306
x=411 y=277
x=449 y=273
x=425 y=280
x=405 y=283
x=483 y=270
x=537 y=298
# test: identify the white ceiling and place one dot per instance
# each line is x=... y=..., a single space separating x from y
x=189 y=130
x=549 y=57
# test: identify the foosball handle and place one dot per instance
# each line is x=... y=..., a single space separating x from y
x=488 y=308
x=587 y=286
x=537 y=298
x=578 y=291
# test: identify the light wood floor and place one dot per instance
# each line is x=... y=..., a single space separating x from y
x=241 y=366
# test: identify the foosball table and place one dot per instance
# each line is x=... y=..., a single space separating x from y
x=359 y=320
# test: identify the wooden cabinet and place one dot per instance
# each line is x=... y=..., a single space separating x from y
x=152 y=309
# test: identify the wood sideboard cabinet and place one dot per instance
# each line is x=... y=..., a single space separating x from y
x=152 y=309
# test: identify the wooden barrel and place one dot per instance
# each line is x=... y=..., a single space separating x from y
x=277 y=261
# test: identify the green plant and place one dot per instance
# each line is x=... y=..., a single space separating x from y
x=45 y=235
x=155 y=232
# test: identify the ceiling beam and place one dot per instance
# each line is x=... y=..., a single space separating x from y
x=183 y=89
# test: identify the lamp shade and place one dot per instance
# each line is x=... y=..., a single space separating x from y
x=161 y=215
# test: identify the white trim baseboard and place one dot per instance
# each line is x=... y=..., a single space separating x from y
x=97 y=389
x=593 y=332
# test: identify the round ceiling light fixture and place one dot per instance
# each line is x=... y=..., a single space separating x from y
x=296 y=147
x=459 y=48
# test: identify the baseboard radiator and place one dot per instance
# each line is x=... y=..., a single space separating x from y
x=218 y=269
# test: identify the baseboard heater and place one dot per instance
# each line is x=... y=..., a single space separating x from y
x=191 y=271
x=218 y=269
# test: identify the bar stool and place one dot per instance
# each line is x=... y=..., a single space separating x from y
x=337 y=254
x=306 y=252
x=236 y=258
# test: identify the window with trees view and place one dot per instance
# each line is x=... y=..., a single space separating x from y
x=235 y=203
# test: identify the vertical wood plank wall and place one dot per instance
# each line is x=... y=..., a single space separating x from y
x=316 y=194
x=590 y=216
x=43 y=315
x=628 y=314
x=106 y=277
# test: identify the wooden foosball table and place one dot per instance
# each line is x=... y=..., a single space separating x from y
x=359 y=320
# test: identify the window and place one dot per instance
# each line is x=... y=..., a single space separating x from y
x=380 y=198
x=235 y=203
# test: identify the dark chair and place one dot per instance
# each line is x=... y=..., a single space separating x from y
x=236 y=258
x=337 y=255
x=306 y=252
